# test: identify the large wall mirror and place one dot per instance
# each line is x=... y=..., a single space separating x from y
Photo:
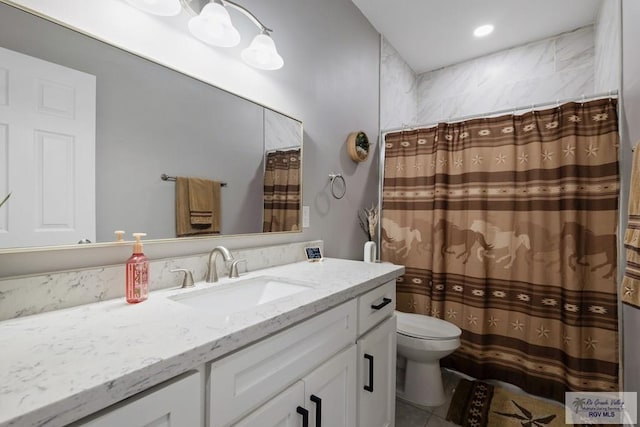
x=87 y=130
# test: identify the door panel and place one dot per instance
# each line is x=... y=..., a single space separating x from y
x=177 y=404
x=281 y=411
x=377 y=376
x=332 y=388
x=47 y=121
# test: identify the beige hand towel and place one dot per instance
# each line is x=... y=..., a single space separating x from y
x=200 y=202
x=631 y=280
x=184 y=227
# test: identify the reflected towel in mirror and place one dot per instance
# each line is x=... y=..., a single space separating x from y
x=200 y=201
x=184 y=218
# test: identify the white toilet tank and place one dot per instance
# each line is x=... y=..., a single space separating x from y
x=426 y=327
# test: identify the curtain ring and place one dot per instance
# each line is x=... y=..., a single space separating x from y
x=333 y=177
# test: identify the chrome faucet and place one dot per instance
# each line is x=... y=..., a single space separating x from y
x=212 y=271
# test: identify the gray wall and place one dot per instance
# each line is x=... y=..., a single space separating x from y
x=332 y=66
x=330 y=82
x=631 y=132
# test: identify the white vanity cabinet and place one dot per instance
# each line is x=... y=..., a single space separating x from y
x=330 y=391
x=336 y=369
x=281 y=411
x=324 y=398
x=258 y=377
x=177 y=403
x=377 y=357
x=377 y=376
x=303 y=356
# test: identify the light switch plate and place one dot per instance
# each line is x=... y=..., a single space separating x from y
x=305 y=217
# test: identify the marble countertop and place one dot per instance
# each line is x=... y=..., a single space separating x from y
x=60 y=366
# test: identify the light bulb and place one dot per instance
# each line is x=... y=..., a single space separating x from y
x=262 y=53
x=483 y=30
x=158 y=7
x=213 y=26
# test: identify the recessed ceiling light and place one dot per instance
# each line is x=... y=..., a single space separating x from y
x=483 y=30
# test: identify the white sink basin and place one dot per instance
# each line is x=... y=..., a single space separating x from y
x=240 y=296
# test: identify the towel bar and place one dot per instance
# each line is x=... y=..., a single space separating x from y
x=166 y=177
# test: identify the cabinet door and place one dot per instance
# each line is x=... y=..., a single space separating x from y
x=177 y=404
x=330 y=391
x=281 y=411
x=377 y=376
x=246 y=379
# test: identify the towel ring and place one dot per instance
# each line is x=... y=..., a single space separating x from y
x=333 y=177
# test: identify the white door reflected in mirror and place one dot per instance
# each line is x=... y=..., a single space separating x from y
x=47 y=139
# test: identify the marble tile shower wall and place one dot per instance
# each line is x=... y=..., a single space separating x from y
x=607 y=47
x=559 y=67
x=398 y=89
x=23 y=296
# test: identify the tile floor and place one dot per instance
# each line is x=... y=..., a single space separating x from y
x=408 y=415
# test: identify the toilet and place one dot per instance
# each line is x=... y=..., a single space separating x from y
x=422 y=342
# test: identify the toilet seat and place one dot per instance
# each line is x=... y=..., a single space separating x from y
x=426 y=327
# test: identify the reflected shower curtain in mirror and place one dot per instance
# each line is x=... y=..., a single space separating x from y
x=282 y=191
x=507 y=228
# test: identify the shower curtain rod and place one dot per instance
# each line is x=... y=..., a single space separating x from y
x=610 y=94
x=273 y=150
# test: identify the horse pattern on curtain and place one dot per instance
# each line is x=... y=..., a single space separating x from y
x=507 y=228
x=282 y=191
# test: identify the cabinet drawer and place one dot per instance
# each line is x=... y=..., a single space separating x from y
x=374 y=306
x=242 y=381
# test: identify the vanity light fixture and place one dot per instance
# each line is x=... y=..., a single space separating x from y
x=213 y=26
x=483 y=30
x=262 y=53
x=158 y=7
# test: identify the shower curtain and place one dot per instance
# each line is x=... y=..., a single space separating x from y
x=282 y=191
x=507 y=228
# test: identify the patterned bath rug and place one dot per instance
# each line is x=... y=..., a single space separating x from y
x=478 y=404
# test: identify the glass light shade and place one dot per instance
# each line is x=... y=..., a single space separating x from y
x=483 y=30
x=262 y=53
x=213 y=26
x=158 y=7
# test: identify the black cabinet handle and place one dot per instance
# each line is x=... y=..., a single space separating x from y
x=315 y=399
x=305 y=416
x=385 y=301
x=369 y=387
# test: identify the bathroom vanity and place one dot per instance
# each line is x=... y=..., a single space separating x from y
x=317 y=350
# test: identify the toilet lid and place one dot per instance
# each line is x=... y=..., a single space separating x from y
x=421 y=326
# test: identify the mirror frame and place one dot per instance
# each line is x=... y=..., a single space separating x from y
x=187 y=245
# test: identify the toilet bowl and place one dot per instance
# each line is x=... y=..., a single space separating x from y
x=422 y=342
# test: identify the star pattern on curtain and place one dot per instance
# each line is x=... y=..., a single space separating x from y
x=518 y=325
x=473 y=320
x=543 y=332
x=591 y=151
x=569 y=150
x=590 y=343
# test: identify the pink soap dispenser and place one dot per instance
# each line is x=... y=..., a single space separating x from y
x=137 y=273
